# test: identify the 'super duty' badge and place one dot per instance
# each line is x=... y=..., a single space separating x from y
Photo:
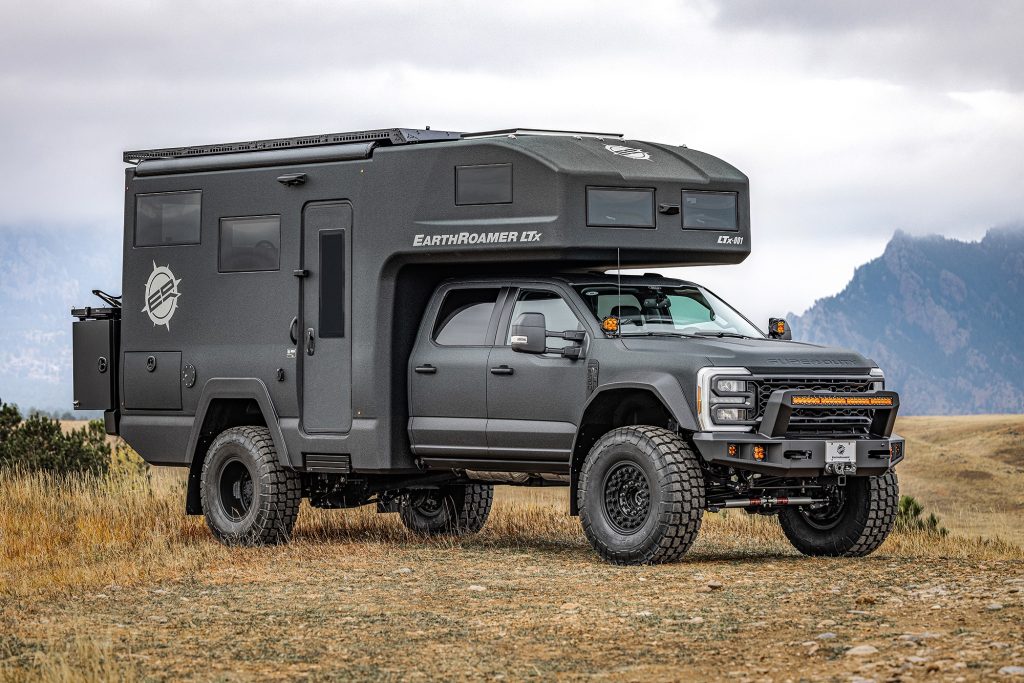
x=161 y=296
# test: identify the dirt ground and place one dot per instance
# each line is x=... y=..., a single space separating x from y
x=106 y=582
x=537 y=611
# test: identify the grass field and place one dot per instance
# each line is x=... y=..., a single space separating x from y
x=108 y=580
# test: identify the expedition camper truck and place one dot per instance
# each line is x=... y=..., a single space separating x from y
x=406 y=318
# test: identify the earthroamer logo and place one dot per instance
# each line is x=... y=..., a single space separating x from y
x=161 y=296
x=628 y=152
x=457 y=238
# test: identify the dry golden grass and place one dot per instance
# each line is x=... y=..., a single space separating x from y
x=969 y=470
x=107 y=579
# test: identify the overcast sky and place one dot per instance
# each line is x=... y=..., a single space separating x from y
x=852 y=119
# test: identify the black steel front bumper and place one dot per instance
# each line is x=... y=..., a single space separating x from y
x=801 y=456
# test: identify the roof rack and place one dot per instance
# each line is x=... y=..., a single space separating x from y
x=512 y=132
x=384 y=136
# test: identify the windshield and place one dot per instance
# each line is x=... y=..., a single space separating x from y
x=676 y=309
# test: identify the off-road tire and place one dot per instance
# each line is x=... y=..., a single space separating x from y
x=867 y=516
x=675 y=490
x=275 y=492
x=451 y=510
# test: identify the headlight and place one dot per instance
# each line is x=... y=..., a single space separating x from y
x=879 y=384
x=732 y=385
x=725 y=399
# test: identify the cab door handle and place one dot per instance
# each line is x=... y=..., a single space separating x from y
x=427 y=369
x=502 y=370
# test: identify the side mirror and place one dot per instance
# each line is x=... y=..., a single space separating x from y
x=778 y=328
x=529 y=333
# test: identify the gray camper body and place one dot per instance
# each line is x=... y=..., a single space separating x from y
x=299 y=286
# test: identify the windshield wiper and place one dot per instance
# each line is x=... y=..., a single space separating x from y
x=656 y=334
x=725 y=334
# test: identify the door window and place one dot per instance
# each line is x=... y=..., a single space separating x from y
x=465 y=316
x=558 y=317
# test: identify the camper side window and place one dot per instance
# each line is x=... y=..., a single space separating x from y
x=465 y=317
x=249 y=243
x=167 y=218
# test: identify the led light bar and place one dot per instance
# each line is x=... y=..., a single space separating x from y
x=842 y=401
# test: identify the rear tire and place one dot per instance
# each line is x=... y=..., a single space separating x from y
x=450 y=510
x=641 y=496
x=248 y=497
x=853 y=526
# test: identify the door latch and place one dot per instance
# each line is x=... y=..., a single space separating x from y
x=310 y=342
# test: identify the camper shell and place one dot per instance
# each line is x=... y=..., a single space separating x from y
x=291 y=284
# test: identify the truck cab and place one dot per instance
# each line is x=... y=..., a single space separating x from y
x=408 y=318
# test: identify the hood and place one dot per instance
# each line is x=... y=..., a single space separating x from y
x=758 y=355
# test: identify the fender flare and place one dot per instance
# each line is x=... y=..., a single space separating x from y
x=665 y=388
x=250 y=388
x=663 y=385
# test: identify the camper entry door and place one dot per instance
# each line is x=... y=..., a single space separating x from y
x=325 y=346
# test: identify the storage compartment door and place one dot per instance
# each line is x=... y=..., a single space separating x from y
x=95 y=364
x=152 y=381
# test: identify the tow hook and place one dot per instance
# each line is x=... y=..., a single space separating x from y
x=840 y=468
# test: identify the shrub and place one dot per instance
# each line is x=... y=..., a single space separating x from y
x=909 y=518
x=38 y=444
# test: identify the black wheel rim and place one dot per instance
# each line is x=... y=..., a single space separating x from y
x=427 y=504
x=236 y=490
x=627 y=497
x=828 y=515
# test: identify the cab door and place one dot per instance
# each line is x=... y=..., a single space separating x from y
x=448 y=373
x=325 y=334
x=533 y=400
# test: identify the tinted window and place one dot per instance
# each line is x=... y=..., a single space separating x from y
x=167 y=218
x=613 y=207
x=710 y=210
x=558 y=317
x=332 y=283
x=490 y=184
x=464 y=317
x=252 y=243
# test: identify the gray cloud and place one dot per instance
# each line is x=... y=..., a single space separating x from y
x=943 y=43
x=839 y=113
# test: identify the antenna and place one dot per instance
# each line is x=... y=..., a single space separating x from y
x=618 y=272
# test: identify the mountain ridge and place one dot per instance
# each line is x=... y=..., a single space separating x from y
x=943 y=318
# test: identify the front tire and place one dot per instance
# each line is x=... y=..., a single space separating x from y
x=856 y=521
x=450 y=510
x=248 y=497
x=641 y=496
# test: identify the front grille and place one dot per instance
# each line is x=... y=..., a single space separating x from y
x=805 y=422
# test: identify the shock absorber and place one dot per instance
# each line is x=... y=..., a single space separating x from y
x=764 y=502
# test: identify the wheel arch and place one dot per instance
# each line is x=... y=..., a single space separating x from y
x=223 y=404
x=657 y=401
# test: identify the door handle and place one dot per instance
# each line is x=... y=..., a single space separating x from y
x=502 y=370
x=427 y=369
x=292 y=329
x=310 y=342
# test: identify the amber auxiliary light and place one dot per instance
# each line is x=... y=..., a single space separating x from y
x=842 y=400
x=610 y=324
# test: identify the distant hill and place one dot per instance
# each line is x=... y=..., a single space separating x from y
x=42 y=275
x=943 y=318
